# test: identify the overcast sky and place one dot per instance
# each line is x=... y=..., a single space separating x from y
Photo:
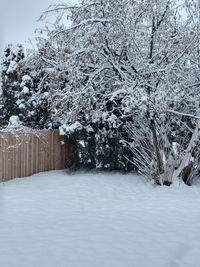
x=18 y=18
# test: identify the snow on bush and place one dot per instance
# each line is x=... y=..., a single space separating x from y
x=14 y=122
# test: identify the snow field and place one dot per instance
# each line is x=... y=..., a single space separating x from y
x=55 y=219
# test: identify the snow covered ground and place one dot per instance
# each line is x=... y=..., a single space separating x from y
x=56 y=219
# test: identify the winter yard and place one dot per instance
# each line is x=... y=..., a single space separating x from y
x=102 y=220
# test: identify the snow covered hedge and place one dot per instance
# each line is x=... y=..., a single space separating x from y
x=99 y=141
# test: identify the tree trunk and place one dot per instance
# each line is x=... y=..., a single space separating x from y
x=186 y=167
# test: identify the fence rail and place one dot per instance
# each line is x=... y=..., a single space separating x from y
x=23 y=154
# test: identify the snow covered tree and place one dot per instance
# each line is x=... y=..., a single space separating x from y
x=82 y=59
x=33 y=101
x=25 y=89
x=148 y=53
x=47 y=69
x=12 y=58
x=170 y=90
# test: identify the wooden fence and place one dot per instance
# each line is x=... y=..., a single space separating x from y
x=23 y=154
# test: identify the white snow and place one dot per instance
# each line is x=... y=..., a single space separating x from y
x=56 y=219
x=18 y=102
x=70 y=128
x=46 y=94
x=14 y=121
x=22 y=106
x=12 y=67
x=25 y=90
x=26 y=78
